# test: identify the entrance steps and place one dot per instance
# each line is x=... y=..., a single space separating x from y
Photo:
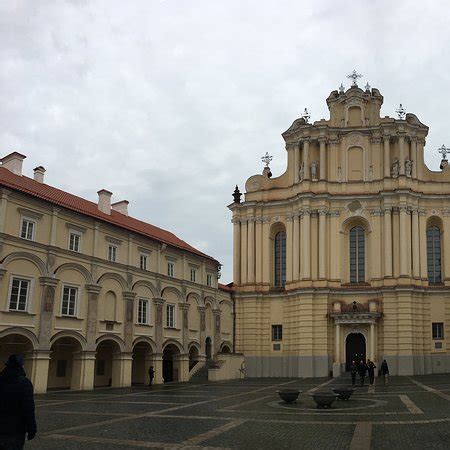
x=199 y=372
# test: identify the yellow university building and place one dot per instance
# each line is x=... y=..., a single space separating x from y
x=346 y=253
x=93 y=297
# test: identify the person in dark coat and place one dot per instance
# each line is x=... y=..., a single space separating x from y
x=371 y=370
x=17 y=417
x=362 y=369
x=353 y=372
x=151 y=375
x=384 y=369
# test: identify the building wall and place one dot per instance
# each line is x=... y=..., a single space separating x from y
x=105 y=326
x=351 y=170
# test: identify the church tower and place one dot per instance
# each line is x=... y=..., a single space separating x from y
x=345 y=254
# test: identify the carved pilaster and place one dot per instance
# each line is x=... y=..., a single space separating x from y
x=158 y=304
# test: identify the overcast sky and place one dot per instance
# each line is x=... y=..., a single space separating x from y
x=169 y=104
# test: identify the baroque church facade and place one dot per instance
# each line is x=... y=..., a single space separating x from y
x=345 y=254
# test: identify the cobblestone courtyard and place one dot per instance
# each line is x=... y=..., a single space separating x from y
x=412 y=412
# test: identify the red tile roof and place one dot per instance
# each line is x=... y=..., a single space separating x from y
x=226 y=287
x=58 y=197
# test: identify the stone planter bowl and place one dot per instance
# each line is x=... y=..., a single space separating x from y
x=343 y=393
x=289 y=395
x=324 y=399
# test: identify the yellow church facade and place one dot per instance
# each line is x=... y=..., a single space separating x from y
x=346 y=254
x=93 y=297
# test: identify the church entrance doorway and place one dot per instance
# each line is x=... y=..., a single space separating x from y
x=355 y=349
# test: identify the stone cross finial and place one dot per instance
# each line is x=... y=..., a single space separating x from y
x=354 y=76
x=401 y=112
x=266 y=159
x=443 y=151
x=341 y=89
x=367 y=87
x=306 y=115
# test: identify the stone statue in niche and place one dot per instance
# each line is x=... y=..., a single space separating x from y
x=408 y=167
x=314 y=166
x=301 y=172
x=395 y=168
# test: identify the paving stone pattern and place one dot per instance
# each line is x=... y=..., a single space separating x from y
x=410 y=413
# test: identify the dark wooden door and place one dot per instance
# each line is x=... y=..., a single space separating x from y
x=355 y=349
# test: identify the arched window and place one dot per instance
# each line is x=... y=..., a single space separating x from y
x=434 y=254
x=357 y=255
x=280 y=259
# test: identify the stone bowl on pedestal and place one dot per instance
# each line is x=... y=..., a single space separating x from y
x=324 y=399
x=344 y=393
x=289 y=395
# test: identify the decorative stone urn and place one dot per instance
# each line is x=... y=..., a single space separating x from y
x=289 y=395
x=344 y=393
x=324 y=399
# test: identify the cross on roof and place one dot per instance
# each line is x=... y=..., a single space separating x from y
x=354 y=76
x=443 y=151
x=266 y=159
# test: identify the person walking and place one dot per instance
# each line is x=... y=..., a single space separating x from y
x=371 y=370
x=362 y=369
x=151 y=375
x=384 y=369
x=353 y=372
x=17 y=417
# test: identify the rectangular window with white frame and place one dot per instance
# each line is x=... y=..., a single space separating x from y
x=143 y=261
x=27 y=229
x=69 y=301
x=170 y=269
x=112 y=253
x=208 y=279
x=19 y=294
x=74 y=241
x=143 y=311
x=170 y=316
x=193 y=275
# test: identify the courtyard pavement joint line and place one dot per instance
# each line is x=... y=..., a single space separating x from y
x=214 y=432
x=431 y=389
x=412 y=408
x=314 y=389
x=174 y=408
x=362 y=436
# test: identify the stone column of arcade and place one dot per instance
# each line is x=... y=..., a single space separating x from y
x=337 y=358
x=158 y=355
x=217 y=332
x=184 y=357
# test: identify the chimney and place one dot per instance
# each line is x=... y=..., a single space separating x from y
x=13 y=162
x=121 y=207
x=39 y=174
x=104 y=201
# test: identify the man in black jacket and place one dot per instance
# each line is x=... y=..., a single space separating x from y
x=16 y=406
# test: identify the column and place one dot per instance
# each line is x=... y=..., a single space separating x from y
x=158 y=308
x=48 y=286
x=36 y=367
x=414 y=156
x=420 y=159
x=306 y=238
x=296 y=162
x=387 y=156
x=403 y=242
x=423 y=245
x=83 y=371
x=296 y=248
x=244 y=251
x=266 y=248
x=183 y=367
x=121 y=369
x=289 y=236
x=128 y=298
x=338 y=343
x=335 y=247
x=157 y=362
x=3 y=207
x=251 y=251
x=201 y=310
x=372 y=341
x=184 y=313
x=402 y=151
x=306 y=157
x=322 y=159
x=415 y=244
x=376 y=250
x=54 y=227
x=217 y=333
x=236 y=250
x=322 y=244
x=387 y=238
x=258 y=251
x=93 y=290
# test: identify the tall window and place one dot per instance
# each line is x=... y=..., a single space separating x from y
x=357 y=255
x=170 y=316
x=170 y=269
x=27 y=229
x=18 y=297
x=438 y=330
x=143 y=261
x=74 y=241
x=277 y=332
x=112 y=253
x=143 y=311
x=280 y=259
x=209 y=279
x=193 y=275
x=69 y=301
x=434 y=254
